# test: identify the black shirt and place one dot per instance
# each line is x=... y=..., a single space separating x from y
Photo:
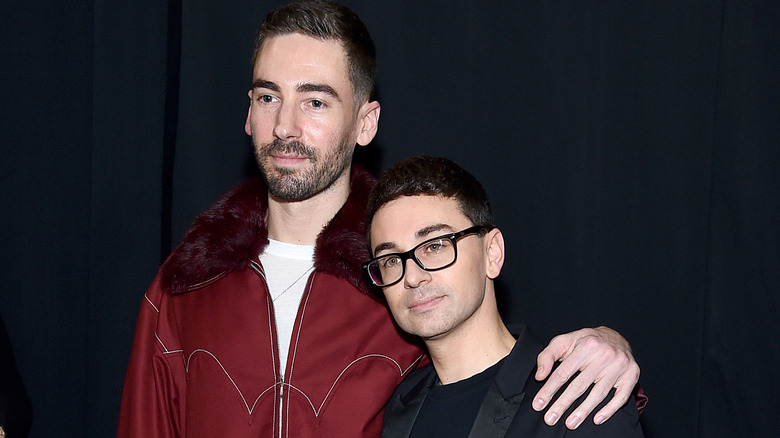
x=450 y=410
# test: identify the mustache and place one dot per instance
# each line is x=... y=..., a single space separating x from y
x=288 y=148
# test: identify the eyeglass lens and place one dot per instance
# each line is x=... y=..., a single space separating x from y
x=429 y=255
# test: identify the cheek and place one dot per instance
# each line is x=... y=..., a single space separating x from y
x=393 y=300
x=260 y=123
x=330 y=128
x=316 y=130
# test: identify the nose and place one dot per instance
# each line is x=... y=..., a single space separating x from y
x=287 y=124
x=414 y=275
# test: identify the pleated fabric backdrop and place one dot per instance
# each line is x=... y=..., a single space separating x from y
x=631 y=151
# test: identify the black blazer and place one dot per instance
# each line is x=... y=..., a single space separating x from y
x=506 y=409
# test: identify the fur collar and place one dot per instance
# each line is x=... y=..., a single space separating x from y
x=233 y=232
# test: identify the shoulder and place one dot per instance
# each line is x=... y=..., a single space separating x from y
x=521 y=364
x=223 y=238
x=416 y=384
x=416 y=381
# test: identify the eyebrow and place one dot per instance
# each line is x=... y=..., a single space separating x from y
x=262 y=83
x=421 y=233
x=427 y=231
x=318 y=88
x=306 y=87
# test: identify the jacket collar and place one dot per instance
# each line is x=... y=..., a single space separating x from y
x=504 y=397
x=501 y=401
x=233 y=232
x=520 y=364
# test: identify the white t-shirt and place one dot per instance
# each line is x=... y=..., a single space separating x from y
x=287 y=267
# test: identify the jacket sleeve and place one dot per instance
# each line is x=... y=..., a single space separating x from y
x=153 y=395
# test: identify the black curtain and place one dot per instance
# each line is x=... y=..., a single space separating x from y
x=631 y=151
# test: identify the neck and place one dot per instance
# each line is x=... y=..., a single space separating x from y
x=300 y=222
x=472 y=347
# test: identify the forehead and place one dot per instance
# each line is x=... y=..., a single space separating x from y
x=299 y=58
x=402 y=218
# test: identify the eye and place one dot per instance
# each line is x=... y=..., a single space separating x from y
x=316 y=103
x=266 y=98
x=434 y=247
x=391 y=261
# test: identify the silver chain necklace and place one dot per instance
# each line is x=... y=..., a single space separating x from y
x=273 y=299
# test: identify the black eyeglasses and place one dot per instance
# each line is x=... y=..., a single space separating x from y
x=431 y=255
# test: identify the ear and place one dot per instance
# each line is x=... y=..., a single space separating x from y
x=494 y=247
x=368 y=123
x=248 y=123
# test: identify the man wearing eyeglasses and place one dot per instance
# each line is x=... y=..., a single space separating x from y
x=261 y=322
x=435 y=256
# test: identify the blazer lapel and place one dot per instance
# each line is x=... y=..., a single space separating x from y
x=400 y=416
x=495 y=415
x=505 y=395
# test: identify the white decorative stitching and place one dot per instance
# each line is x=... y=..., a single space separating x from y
x=294 y=352
x=151 y=303
x=249 y=410
x=258 y=268
x=207 y=281
x=315 y=410
x=416 y=361
x=269 y=309
x=165 y=349
x=335 y=382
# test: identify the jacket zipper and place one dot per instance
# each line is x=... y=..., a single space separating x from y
x=282 y=382
x=290 y=355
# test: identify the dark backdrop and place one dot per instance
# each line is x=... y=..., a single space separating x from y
x=631 y=149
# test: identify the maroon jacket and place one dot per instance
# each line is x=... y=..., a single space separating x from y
x=205 y=361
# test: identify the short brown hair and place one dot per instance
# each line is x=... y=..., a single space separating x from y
x=326 y=20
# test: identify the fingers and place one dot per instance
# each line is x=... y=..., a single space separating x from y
x=568 y=368
x=570 y=365
x=615 y=374
x=546 y=359
x=544 y=363
x=603 y=370
x=622 y=393
x=558 y=349
x=601 y=362
x=597 y=394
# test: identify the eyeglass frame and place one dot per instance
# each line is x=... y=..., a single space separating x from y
x=406 y=255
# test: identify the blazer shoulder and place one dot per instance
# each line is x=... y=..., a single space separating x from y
x=415 y=379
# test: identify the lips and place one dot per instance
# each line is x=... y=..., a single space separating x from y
x=288 y=159
x=425 y=304
x=289 y=153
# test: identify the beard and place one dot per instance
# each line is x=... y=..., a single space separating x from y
x=295 y=185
